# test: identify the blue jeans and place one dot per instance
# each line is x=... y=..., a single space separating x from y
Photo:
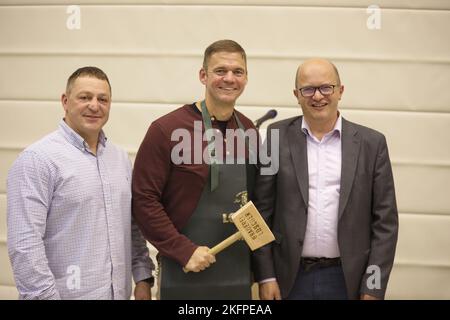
x=319 y=284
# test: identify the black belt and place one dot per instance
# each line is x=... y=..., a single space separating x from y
x=316 y=263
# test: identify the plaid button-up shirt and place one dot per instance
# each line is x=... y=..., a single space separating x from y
x=70 y=230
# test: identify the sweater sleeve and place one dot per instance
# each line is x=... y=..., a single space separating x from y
x=152 y=169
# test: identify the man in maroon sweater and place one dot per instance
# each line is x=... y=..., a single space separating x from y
x=184 y=187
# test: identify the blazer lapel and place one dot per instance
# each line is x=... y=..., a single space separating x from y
x=351 y=142
x=297 y=145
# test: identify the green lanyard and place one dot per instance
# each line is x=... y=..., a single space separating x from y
x=211 y=150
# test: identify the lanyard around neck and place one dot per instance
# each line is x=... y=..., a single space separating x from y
x=211 y=150
x=214 y=174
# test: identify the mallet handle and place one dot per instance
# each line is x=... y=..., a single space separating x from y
x=225 y=243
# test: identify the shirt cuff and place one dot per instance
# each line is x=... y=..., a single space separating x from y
x=141 y=273
x=267 y=280
x=150 y=281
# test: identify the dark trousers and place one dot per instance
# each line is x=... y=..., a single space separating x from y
x=326 y=283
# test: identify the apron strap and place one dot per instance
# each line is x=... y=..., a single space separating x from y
x=211 y=151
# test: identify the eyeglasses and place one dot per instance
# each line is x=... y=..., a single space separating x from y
x=325 y=90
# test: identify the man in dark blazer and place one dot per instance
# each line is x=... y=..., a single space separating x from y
x=331 y=205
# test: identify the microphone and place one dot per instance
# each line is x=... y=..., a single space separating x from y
x=272 y=113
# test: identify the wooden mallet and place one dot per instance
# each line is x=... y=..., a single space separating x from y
x=251 y=226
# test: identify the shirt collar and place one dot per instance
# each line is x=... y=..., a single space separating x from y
x=337 y=127
x=75 y=139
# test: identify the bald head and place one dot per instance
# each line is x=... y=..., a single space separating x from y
x=316 y=66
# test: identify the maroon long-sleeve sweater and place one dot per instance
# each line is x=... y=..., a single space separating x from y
x=165 y=194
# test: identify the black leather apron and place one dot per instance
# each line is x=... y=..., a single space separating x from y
x=230 y=276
